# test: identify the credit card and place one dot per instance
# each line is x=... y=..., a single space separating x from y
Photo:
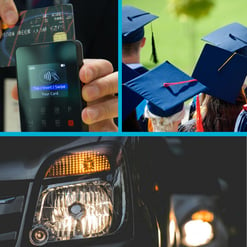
x=54 y=23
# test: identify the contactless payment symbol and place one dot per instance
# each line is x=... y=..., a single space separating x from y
x=49 y=76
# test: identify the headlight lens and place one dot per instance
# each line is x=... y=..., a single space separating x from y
x=82 y=209
x=91 y=206
x=197 y=233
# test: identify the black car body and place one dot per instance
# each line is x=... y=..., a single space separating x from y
x=145 y=184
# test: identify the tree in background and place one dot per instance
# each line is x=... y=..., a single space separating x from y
x=193 y=10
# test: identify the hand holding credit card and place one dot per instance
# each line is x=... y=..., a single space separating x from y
x=49 y=87
x=54 y=23
x=58 y=27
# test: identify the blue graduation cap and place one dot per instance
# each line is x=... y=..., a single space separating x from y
x=232 y=37
x=165 y=88
x=130 y=99
x=241 y=121
x=221 y=71
x=133 y=22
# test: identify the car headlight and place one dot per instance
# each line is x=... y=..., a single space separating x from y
x=82 y=196
x=197 y=220
x=198 y=230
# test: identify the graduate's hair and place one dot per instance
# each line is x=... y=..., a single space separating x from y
x=220 y=116
x=131 y=48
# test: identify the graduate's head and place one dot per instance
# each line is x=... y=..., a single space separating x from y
x=133 y=22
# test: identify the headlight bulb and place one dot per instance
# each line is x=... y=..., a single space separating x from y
x=77 y=210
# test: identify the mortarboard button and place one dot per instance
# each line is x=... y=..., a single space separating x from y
x=165 y=88
x=232 y=37
x=221 y=71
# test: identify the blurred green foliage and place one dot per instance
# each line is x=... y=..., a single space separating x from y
x=190 y=8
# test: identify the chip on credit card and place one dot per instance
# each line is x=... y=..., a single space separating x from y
x=53 y=23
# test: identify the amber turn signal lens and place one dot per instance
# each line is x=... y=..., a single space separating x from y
x=203 y=215
x=78 y=164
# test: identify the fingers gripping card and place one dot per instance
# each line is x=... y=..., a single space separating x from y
x=54 y=23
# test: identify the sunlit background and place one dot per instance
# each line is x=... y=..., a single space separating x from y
x=178 y=39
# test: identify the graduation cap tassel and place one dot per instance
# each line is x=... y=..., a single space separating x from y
x=199 y=127
x=154 y=54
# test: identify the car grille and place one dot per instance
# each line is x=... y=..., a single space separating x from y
x=12 y=199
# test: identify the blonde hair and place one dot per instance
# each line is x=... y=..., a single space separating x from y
x=163 y=124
